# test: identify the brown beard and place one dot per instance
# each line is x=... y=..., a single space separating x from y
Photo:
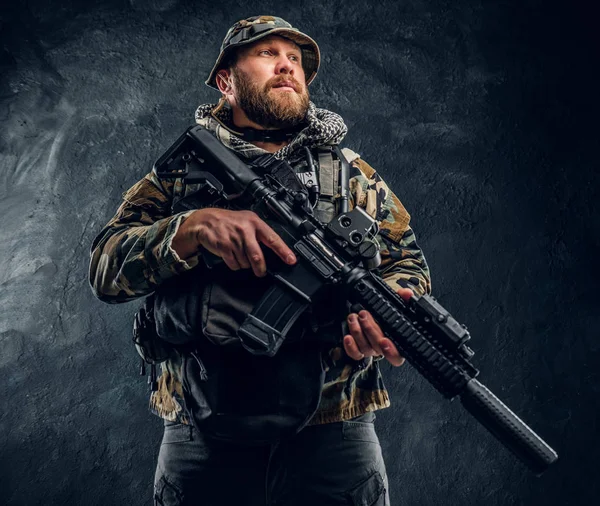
x=285 y=110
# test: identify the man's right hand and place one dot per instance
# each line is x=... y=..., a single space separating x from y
x=235 y=236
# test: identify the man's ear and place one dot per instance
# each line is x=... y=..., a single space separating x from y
x=223 y=79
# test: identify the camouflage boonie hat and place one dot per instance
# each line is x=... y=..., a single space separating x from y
x=255 y=28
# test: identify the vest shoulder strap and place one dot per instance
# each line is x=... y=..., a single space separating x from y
x=329 y=172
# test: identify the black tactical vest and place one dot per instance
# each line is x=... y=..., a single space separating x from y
x=230 y=393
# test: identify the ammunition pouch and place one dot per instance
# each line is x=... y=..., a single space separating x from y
x=148 y=344
x=235 y=396
x=230 y=393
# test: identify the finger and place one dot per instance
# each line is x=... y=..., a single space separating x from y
x=371 y=330
x=391 y=353
x=231 y=261
x=242 y=259
x=255 y=255
x=357 y=334
x=405 y=293
x=268 y=236
x=351 y=348
x=239 y=252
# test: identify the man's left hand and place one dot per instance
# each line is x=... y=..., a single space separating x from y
x=366 y=339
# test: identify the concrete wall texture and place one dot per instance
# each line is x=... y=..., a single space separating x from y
x=480 y=115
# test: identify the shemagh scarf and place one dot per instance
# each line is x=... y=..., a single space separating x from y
x=323 y=127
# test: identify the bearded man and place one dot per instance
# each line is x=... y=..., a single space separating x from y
x=296 y=428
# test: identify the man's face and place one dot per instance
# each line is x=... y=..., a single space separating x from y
x=268 y=83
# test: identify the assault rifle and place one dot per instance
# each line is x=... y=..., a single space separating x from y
x=340 y=254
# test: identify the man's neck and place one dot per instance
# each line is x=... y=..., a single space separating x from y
x=271 y=147
x=240 y=121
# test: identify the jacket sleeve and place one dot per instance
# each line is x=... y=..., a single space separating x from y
x=403 y=263
x=132 y=254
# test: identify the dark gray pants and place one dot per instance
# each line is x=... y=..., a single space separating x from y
x=331 y=464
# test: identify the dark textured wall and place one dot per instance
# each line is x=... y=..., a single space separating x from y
x=479 y=114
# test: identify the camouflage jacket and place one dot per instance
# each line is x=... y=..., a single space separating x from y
x=132 y=256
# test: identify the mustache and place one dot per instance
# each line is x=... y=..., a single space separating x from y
x=288 y=81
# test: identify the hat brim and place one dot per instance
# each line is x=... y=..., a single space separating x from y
x=311 y=56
